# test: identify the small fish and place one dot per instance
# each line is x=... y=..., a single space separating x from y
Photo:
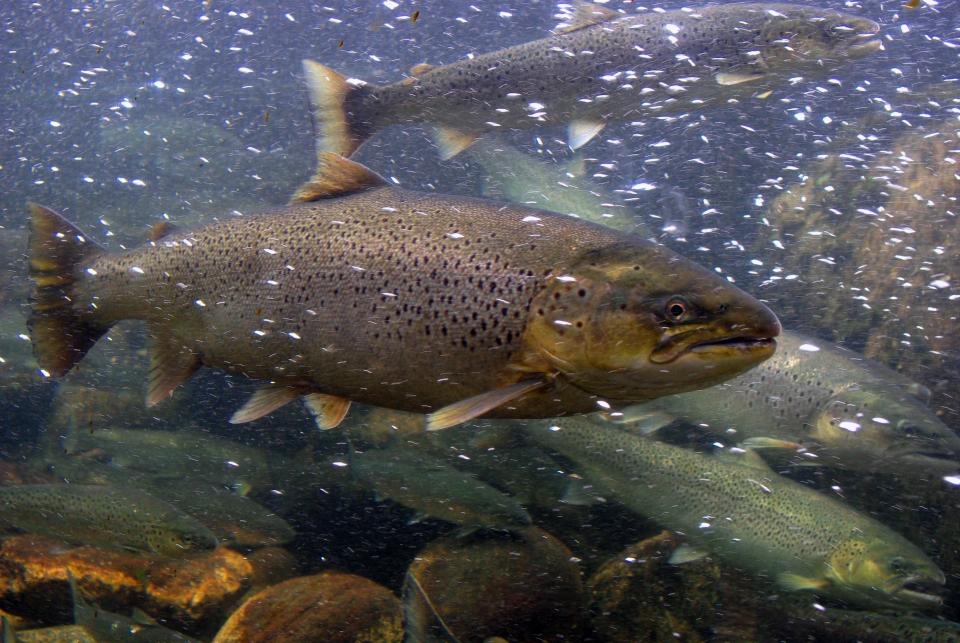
x=103 y=516
x=174 y=454
x=741 y=511
x=912 y=4
x=638 y=65
x=340 y=45
x=870 y=627
x=522 y=178
x=117 y=628
x=850 y=412
x=414 y=17
x=266 y=117
x=421 y=481
x=452 y=306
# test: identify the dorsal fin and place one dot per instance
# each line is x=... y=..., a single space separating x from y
x=420 y=69
x=162 y=229
x=336 y=176
x=587 y=14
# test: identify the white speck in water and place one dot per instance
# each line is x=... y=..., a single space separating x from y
x=849 y=426
x=603 y=404
x=390 y=4
x=293 y=335
x=671 y=28
x=809 y=348
x=136 y=269
x=455 y=235
x=566 y=278
x=44 y=372
x=200 y=303
x=24 y=337
x=881 y=420
x=646 y=187
x=270 y=251
x=54 y=123
x=244 y=70
x=91 y=271
x=954 y=480
x=338 y=463
x=554 y=428
x=159 y=84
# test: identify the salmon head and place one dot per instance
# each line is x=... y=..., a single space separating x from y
x=635 y=321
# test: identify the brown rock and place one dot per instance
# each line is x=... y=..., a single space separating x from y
x=332 y=607
x=521 y=587
x=59 y=634
x=639 y=596
x=271 y=565
x=192 y=591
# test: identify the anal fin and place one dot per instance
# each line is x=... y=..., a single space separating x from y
x=171 y=364
x=264 y=401
x=452 y=141
x=686 y=554
x=581 y=132
x=726 y=79
x=475 y=406
x=328 y=410
x=796 y=583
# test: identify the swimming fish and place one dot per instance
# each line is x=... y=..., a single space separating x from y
x=118 y=628
x=103 y=516
x=741 y=511
x=847 y=410
x=174 y=454
x=604 y=66
x=359 y=291
x=870 y=627
x=522 y=178
x=424 y=482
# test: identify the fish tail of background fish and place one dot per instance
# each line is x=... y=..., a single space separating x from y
x=340 y=114
x=61 y=333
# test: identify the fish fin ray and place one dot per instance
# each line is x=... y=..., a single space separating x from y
x=419 y=613
x=452 y=141
x=61 y=334
x=581 y=132
x=728 y=78
x=328 y=410
x=420 y=69
x=686 y=554
x=162 y=229
x=586 y=14
x=761 y=442
x=264 y=401
x=336 y=176
x=796 y=583
x=171 y=364
x=577 y=494
x=339 y=130
x=475 y=406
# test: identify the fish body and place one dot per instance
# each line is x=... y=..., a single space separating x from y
x=858 y=626
x=426 y=483
x=174 y=455
x=849 y=411
x=412 y=301
x=102 y=516
x=522 y=178
x=604 y=67
x=748 y=516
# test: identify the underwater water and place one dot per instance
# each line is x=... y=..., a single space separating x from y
x=561 y=248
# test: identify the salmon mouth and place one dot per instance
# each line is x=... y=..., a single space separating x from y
x=744 y=347
x=921 y=590
x=863 y=42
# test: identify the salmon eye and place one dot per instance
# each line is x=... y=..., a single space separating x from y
x=677 y=309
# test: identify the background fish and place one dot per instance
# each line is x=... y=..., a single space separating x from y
x=550 y=185
x=175 y=455
x=605 y=66
x=849 y=411
x=121 y=518
x=406 y=300
x=424 y=482
x=749 y=516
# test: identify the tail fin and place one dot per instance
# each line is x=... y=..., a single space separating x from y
x=334 y=99
x=61 y=334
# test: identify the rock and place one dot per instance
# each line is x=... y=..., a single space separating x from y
x=271 y=565
x=192 y=592
x=332 y=607
x=639 y=596
x=522 y=586
x=59 y=634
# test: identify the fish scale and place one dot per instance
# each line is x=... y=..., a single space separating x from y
x=360 y=291
x=741 y=511
x=603 y=67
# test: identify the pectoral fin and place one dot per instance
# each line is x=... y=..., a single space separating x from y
x=581 y=132
x=475 y=406
x=727 y=79
x=770 y=443
x=328 y=410
x=171 y=364
x=265 y=401
x=686 y=554
x=453 y=141
x=587 y=14
x=796 y=583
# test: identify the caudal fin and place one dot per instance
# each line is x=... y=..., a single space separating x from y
x=336 y=101
x=61 y=333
